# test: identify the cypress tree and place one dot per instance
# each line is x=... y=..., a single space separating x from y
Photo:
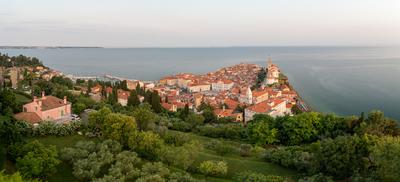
x=133 y=99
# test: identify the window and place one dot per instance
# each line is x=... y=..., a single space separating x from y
x=35 y=108
x=25 y=110
x=62 y=112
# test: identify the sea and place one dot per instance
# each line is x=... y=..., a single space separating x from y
x=343 y=80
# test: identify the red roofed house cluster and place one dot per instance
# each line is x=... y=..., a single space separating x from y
x=229 y=88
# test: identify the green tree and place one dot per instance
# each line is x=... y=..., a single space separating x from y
x=42 y=86
x=147 y=144
x=156 y=102
x=16 y=177
x=145 y=118
x=37 y=160
x=209 y=116
x=377 y=124
x=301 y=128
x=8 y=102
x=97 y=118
x=343 y=156
x=385 y=155
x=78 y=108
x=119 y=127
x=195 y=119
x=261 y=131
x=133 y=99
x=125 y=167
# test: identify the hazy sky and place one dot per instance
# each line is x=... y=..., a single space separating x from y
x=182 y=23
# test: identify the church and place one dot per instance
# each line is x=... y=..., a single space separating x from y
x=273 y=72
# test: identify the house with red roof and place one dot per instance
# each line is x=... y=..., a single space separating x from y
x=223 y=113
x=272 y=107
x=123 y=97
x=47 y=108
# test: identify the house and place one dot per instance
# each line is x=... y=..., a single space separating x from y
x=45 y=108
x=260 y=96
x=96 y=89
x=123 y=97
x=272 y=107
x=222 y=113
x=169 y=107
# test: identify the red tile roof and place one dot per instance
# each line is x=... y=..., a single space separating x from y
x=28 y=116
x=51 y=102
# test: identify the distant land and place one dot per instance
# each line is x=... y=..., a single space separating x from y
x=47 y=47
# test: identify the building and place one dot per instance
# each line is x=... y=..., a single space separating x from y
x=123 y=97
x=199 y=87
x=272 y=107
x=260 y=96
x=169 y=107
x=222 y=85
x=247 y=97
x=272 y=73
x=47 y=108
x=223 y=113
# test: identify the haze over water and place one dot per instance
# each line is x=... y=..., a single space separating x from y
x=344 y=80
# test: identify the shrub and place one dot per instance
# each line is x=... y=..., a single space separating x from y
x=245 y=150
x=257 y=177
x=317 y=178
x=176 y=139
x=179 y=125
x=56 y=129
x=213 y=168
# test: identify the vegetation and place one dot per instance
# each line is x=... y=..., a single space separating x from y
x=19 y=61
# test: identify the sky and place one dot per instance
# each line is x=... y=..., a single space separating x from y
x=199 y=23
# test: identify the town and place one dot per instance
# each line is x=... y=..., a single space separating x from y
x=236 y=92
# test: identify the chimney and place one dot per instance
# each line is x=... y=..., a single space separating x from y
x=65 y=99
x=40 y=103
x=34 y=98
x=43 y=95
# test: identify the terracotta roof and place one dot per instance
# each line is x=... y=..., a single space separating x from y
x=28 y=116
x=167 y=106
x=51 y=102
x=224 y=112
x=123 y=94
x=259 y=93
x=232 y=104
x=261 y=107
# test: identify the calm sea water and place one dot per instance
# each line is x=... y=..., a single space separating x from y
x=345 y=80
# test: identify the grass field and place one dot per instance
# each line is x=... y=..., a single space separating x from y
x=236 y=163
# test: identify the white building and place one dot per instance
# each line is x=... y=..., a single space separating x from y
x=222 y=85
x=247 y=98
x=199 y=87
